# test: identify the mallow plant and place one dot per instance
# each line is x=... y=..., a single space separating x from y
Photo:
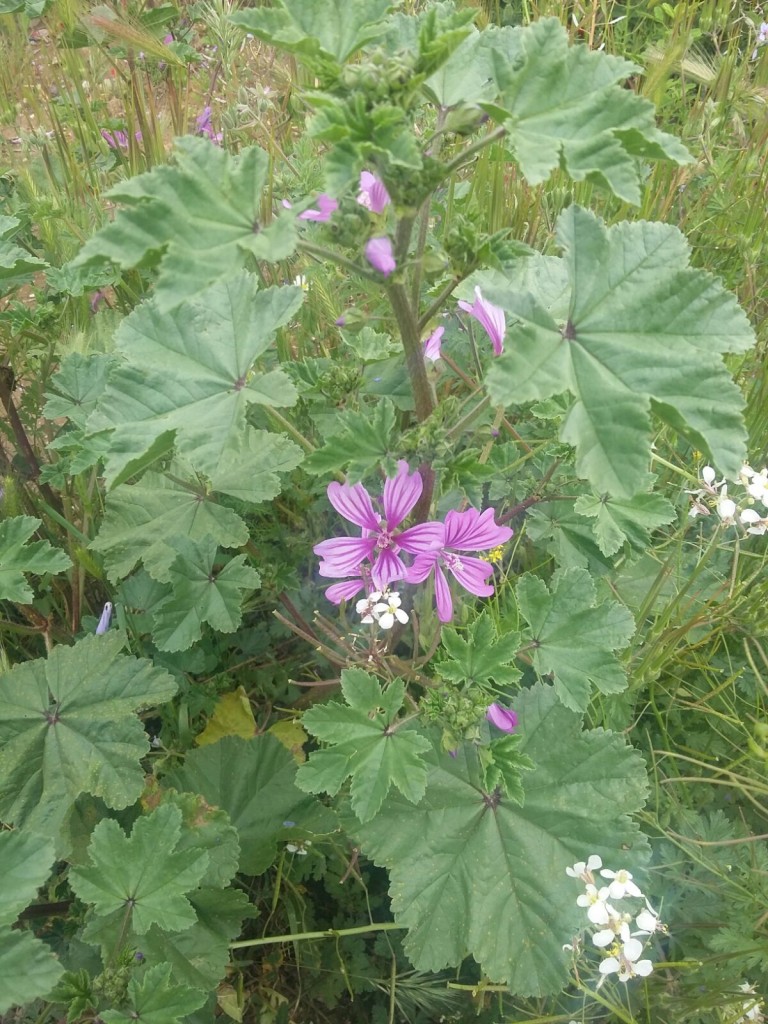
x=471 y=472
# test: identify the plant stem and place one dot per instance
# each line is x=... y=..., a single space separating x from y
x=423 y=396
x=466 y=154
x=322 y=253
x=329 y=933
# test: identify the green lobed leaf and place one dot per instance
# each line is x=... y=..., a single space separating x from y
x=362 y=442
x=201 y=217
x=202 y=591
x=154 y=999
x=143 y=519
x=189 y=376
x=482 y=657
x=629 y=520
x=562 y=106
x=473 y=873
x=254 y=782
x=77 y=386
x=502 y=765
x=18 y=557
x=209 y=829
x=644 y=330
x=27 y=860
x=567 y=536
x=368 y=744
x=16 y=264
x=334 y=28
x=142 y=875
x=68 y=726
x=28 y=969
x=572 y=638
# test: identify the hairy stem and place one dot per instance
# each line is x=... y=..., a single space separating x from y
x=329 y=933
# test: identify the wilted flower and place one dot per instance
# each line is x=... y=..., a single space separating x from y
x=432 y=344
x=326 y=206
x=503 y=718
x=373 y=193
x=379 y=253
x=491 y=317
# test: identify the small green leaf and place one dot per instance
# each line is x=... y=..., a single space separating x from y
x=77 y=386
x=191 y=374
x=476 y=873
x=368 y=744
x=202 y=591
x=153 y=999
x=27 y=860
x=253 y=781
x=68 y=726
x=200 y=216
x=16 y=264
x=643 y=330
x=143 y=875
x=17 y=557
x=572 y=638
x=502 y=765
x=334 y=29
x=28 y=969
x=483 y=657
x=629 y=520
x=361 y=444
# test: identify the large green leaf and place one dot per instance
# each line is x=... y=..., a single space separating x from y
x=367 y=743
x=17 y=557
x=562 y=107
x=143 y=875
x=154 y=999
x=202 y=591
x=643 y=330
x=27 y=860
x=201 y=216
x=254 y=782
x=28 y=969
x=334 y=29
x=474 y=873
x=188 y=378
x=143 y=519
x=68 y=726
x=571 y=637
x=16 y=264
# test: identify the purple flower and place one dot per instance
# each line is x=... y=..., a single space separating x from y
x=466 y=531
x=340 y=321
x=503 y=718
x=490 y=316
x=118 y=139
x=168 y=39
x=203 y=126
x=381 y=541
x=96 y=300
x=378 y=252
x=373 y=193
x=105 y=619
x=327 y=205
x=432 y=344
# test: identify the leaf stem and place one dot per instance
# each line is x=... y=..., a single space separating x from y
x=466 y=154
x=329 y=933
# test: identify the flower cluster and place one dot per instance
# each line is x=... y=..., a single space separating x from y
x=752 y=1009
x=622 y=948
x=373 y=560
x=381 y=607
x=713 y=495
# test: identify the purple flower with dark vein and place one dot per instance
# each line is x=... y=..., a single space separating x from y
x=503 y=718
x=379 y=253
x=373 y=193
x=326 y=205
x=464 y=531
x=432 y=344
x=118 y=139
x=491 y=317
x=203 y=126
x=382 y=540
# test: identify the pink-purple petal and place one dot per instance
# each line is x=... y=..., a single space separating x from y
x=433 y=343
x=342 y=556
x=472 y=574
x=373 y=193
x=327 y=205
x=401 y=492
x=354 y=503
x=474 y=531
x=380 y=254
x=503 y=718
x=491 y=317
x=443 y=598
x=422 y=566
x=422 y=538
x=344 y=591
x=387 y=568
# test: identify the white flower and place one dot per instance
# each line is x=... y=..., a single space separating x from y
x=648 y=922
x=594 y=899
x=300 y=849
x=758 y=486
x=726 y=507
x=301 y=282
x=754 y=522
x=389 y=610
x=754 y=1009
x=583 y=870
x=626 y=963
x=622 y=884
x=366 y=607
